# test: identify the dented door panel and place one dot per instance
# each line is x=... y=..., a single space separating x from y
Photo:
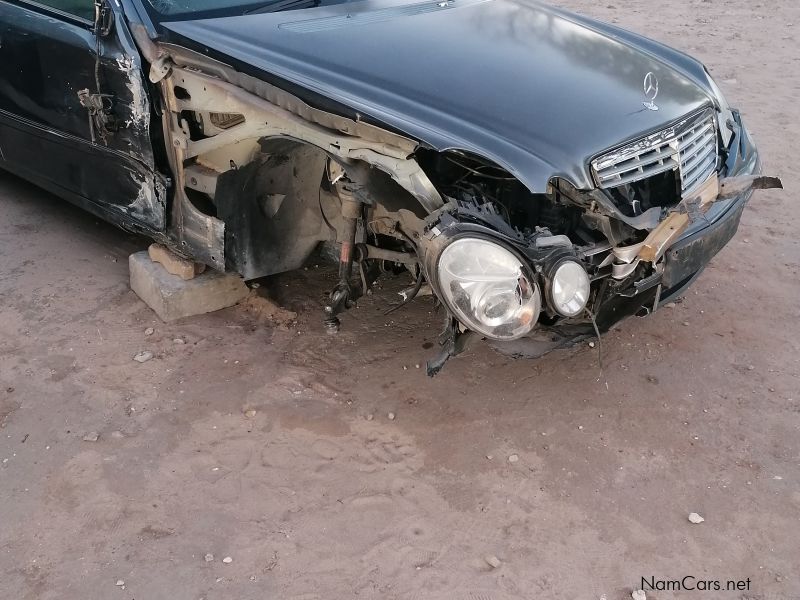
x=47 y=59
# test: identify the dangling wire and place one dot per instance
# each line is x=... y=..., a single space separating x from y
x=414 y=293
x=599 y=341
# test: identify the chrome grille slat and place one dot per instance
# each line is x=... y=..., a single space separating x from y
x=642 y=174
x=689 y=147
x=695 y=134
x=704 y=143
x=661 y=156
x=701 y=174
x=690 y=161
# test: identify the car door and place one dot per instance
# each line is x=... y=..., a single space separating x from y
x=75 y=111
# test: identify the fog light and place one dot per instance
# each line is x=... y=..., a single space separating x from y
x=569 y=288
x=488 y=288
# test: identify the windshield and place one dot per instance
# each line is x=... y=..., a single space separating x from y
x=199 y=9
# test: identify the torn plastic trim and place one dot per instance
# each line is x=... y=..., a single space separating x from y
x=689 y=210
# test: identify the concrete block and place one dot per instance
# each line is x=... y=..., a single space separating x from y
x=173 y=298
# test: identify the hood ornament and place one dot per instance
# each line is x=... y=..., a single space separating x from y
x=650 y=91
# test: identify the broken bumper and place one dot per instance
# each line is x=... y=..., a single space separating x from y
x=691 y=254
x=683 y=263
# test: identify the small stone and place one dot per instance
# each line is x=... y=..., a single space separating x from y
x=391 y=416
x=492 y=561
x=178 y=341
x=686 y=323
x=670 y=305
x=149 y=331
x=143 y=357
x=227 y=560
x=250 y=413
x=92 y=436
x=209 y=557
x=639 y=595
x=370 y=417
x=117 y=435
x=592 y=344
x=514 y=458
x=119 y=583
x=751 y=368
x=696 y=519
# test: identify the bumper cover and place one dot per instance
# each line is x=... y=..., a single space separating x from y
x=684 y=261
x=691 y=254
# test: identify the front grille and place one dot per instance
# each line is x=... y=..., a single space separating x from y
x=688 y=147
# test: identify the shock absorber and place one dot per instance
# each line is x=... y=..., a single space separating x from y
x=342 y=296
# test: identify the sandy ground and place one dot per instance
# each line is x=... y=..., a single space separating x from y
x=319 y=495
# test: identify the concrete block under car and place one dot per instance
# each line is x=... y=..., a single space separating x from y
x=173 y=298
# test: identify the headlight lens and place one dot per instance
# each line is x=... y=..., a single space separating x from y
x=488 y=289
x=569 y=288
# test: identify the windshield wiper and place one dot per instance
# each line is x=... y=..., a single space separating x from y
x=279 y=5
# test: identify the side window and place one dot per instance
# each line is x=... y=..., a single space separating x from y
x=80 y=8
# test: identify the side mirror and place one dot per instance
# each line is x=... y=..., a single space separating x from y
x=103 y=18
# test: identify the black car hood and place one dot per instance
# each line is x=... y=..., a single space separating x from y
x=537 y=90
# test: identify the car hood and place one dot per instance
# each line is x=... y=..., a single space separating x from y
x=537 y=90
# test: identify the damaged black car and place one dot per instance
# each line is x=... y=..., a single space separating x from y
x=542 y=174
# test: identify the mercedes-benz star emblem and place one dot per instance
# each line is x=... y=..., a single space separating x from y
x=650 y=91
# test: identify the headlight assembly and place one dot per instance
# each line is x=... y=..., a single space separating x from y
x=569 y=287
x=488 y=288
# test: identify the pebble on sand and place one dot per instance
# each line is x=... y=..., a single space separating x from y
x=92 y=436
x=119 y=583
x=149 y=331
x=513 y=458
x=143 y=357
x=227 y=560
x=639 y=595
x=696 y=519
x=250 y=413
x=492 y=561
x=209 y=557
x=392 y=416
